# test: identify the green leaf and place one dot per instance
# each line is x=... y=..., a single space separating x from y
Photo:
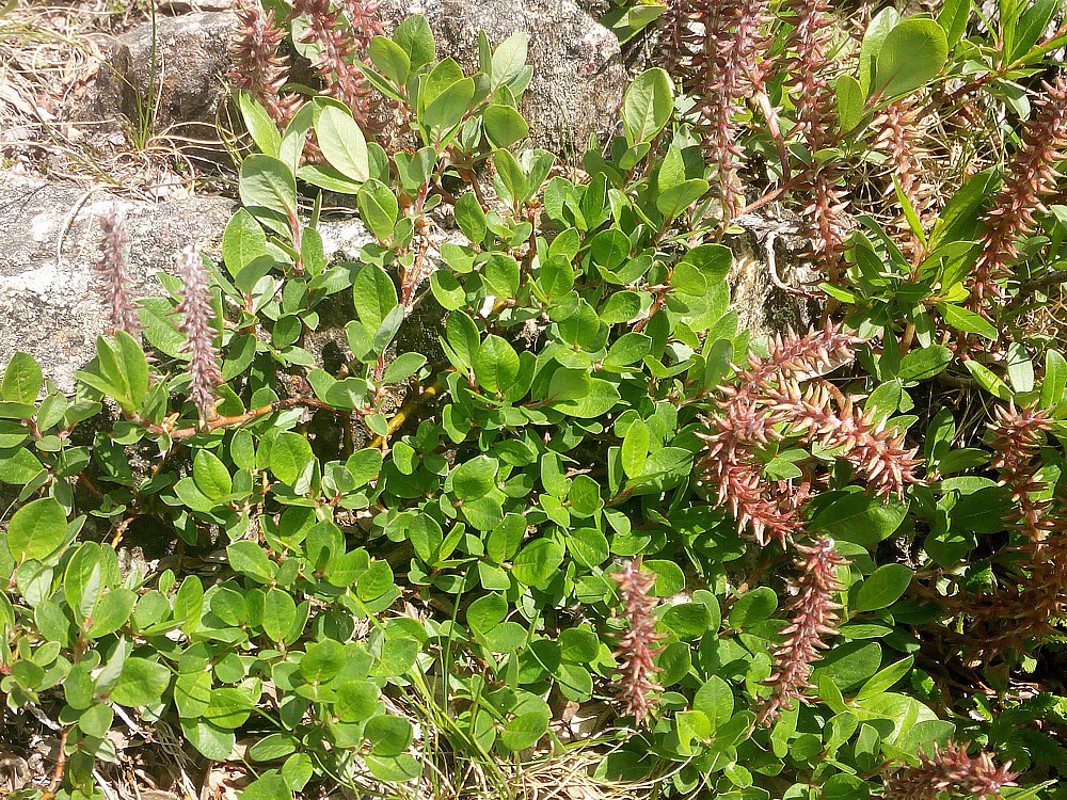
x=883 y=588
x=647 y=105
x=270 y=786
x=290 y=455
x=342 y=142
x=211 y=742
x=525 y=730
x=36 y=529
x=416 y=40
x=753 y=607
x=850 y=103
x=448 y=108
x=356 y=700
x=860 y=518
x=953 y=18
x=504 y=125
x=211 y=476
x=989 y=381
x=920 y=365
x=470 y=217
x=249 y=558
x=403 y=367
x=537 y=562
x=390 y=59
x=22 y=380
x=243 y=241
x=688 y=621
x=475 y=478
x=496 y=365
x=912 y=55
x=873 y=38
x=378 y=207
x=635 y=448
x=509 y=58
x=512 y=176
x=968 y=321
x=322 y=661
x=486 y=613
x=374 y=296
x=19 y=467
x=1055 y=379
x=884 y=679
x=142 y=683
x=267 y=183
x=260 y=126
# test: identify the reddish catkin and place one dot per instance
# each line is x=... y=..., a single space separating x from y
x=259 y=68
x=638 y=648
x=343 y=36
x=114 y=280
x=901 y=138
x=815 y=107
x=197 y=326
x=950 y=770
x=717 y=49
x=813 y=617
x=768 y=397
x=1029 y=179
x=1021 y=611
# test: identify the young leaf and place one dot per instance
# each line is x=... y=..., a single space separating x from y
x=647 y=105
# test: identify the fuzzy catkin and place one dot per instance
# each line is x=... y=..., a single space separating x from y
x=259 y=68
x=113 y=272
x=813 y=617
x=815 y=107
x=900 y=137
x=717 y=49
x=343 y=36
x=1029 y=180
x=950 y=769
x=784 y=390
x=638 y=648
x=197 y=326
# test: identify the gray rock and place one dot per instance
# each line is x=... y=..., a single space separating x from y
x=187 y=6
x=177 y=85
x=49 y=305
x=578 y=77
x=769 y=276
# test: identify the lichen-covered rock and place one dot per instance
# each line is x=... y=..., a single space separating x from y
x=578 y=77
x=176 y=85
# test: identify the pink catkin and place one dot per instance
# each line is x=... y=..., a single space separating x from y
x=717 y=47
x=197 y=326
x=816 y=122
x=1021 y=610
x=113 y=272
x=343 y=36
x=259 y=67
x=813 y=617
x=770 y=394
x=638 y=648
x=900 y=137
x=950 y=770
x=1030 y=178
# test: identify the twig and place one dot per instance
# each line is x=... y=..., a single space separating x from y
x=240 y=419
x=1027 y=288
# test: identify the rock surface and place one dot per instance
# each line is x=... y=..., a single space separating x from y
x=49 y=301
x=178 y=83
x=578 y=77
x=49 y=306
